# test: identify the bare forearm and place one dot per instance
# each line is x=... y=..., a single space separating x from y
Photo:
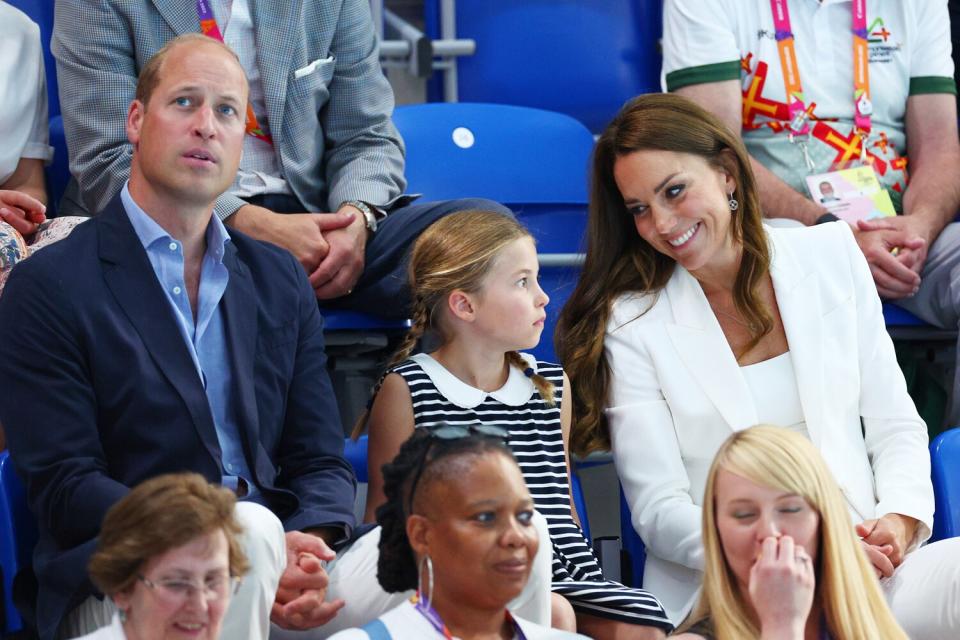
x=780 y=200
x=934 y=194
x=777 y=198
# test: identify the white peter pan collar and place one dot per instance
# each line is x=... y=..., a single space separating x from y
x=515 y=392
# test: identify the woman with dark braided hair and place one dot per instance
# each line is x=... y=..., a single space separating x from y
x=473 y=275
x=457 y=527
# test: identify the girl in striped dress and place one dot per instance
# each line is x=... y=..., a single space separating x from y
x=473 y=276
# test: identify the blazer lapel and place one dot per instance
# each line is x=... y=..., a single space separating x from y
x=181 y=16
x=276 y=29
x=240 y=318
x=133 y=283
x=798 y=297
x=704 y=350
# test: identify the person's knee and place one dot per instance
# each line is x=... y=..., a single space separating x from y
x=264 y=540
x=562 y=615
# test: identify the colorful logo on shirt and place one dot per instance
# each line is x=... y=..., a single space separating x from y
x=878 y=31
x=881 y=43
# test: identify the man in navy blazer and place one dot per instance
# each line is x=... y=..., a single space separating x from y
x=151 y=341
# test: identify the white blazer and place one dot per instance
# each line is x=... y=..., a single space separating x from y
x=677 y=392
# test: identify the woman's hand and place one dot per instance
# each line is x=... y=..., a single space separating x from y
x=21 y=211
x=781 y=588
x=879 y=557
x=893 y=530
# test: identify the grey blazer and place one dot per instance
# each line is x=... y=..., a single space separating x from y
x=328 y=102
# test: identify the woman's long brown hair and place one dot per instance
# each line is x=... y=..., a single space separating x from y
x=618 y=260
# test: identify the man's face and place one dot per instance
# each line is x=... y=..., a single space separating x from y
x=189 y=136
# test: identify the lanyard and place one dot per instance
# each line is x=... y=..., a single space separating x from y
x=796 y=105
x=208 y=25
x=428 y=612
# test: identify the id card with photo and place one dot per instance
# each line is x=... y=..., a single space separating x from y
x=851 y=194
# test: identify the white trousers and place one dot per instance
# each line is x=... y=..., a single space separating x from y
x=924 y=591
x=353 y=577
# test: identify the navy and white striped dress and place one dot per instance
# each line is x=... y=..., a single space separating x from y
x=537 y=442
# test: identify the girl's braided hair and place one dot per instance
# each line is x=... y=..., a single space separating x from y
x=455 y=252
x=428 y=455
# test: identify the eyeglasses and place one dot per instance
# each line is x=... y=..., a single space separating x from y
x=447 y=432
x=180 y=590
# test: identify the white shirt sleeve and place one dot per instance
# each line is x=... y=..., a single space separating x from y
x=699 y=42
x=930 y=58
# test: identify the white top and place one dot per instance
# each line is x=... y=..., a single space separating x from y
x=259 y=170
x=113 y=631
x=406 y=623
x=24 y=127
x=773 y=386
x=677 y=393
x=909 y=43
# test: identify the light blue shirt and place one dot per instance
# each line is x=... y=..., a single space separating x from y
x=206 y=339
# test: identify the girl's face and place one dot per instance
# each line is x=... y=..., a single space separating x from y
x=680 y=207
x=509 y=308
x=478 y=531
x=182 y=593
x=749 y=513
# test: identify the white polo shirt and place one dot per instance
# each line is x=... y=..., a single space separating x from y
x=909 y=42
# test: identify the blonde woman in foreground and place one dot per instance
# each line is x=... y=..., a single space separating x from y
x=781 y=560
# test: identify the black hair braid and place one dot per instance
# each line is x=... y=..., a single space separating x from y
x=418 y=326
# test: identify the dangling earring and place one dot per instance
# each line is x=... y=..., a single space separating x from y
x=420 y=590
x=122 y=614
x=732 y=203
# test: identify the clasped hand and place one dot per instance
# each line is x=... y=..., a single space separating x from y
x=896 y=249
x=885 y=541
x=21 y=211
x=300 y=601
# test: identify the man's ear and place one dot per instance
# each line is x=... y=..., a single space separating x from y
x=461 y=305
x=418 y=533
x=135 y=121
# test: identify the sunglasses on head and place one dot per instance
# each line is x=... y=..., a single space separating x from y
x=447 y=432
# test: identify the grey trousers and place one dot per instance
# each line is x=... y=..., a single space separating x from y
x=938 y=300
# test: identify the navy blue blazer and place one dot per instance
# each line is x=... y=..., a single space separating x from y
x=99 y=392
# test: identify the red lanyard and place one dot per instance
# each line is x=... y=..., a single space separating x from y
x=208 y=25
x=796 y=105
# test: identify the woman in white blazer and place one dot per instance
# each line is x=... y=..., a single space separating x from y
x=692 y=320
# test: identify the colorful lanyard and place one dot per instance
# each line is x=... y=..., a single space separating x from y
x=797 y=109
x=428 y=612
x=208 y=25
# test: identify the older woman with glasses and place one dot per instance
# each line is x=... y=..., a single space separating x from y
x=169 y=558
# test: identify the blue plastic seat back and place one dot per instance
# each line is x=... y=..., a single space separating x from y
x=514 y=155
x=355 y=451
x=533 y=161
x=18 y=536
x=584 y=58
x=579 y=502
x=632 y=546
x=945 y=467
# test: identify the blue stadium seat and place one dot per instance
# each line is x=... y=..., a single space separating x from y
x=580 y=57
x=355 y=451
x=18 y=536
x=945 y=467
x=579 y=502
x=635 y=552
x=533 y=161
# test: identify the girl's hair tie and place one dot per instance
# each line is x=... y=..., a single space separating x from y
x=529 y=372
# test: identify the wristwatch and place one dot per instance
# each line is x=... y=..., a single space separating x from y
x=368 y=215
